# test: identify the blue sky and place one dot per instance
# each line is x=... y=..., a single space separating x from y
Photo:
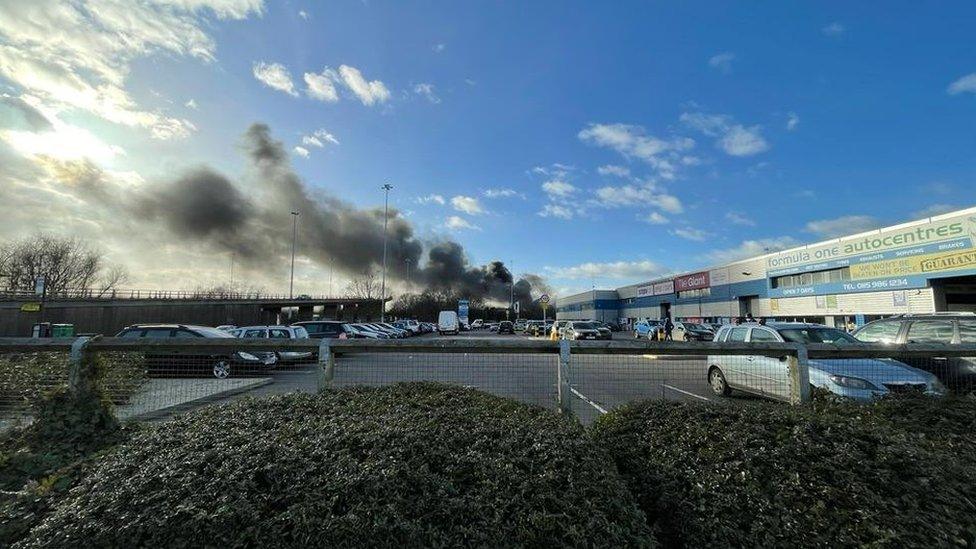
x=590 y=142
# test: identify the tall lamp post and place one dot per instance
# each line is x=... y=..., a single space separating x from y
x=294 y=238
x=386 y=210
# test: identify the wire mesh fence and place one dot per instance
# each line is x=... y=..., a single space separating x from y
x=146 y=379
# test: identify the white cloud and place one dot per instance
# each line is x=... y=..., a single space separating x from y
x=556 y=188
x=842 y=226
x=654 y=218
x=321 y=86
x=467 y=204
x=737 y=218
x=933 y=210
x=751 y=248
x=633 y=142
x=301 y=151
x=722 y=61
x=833 y=30
x=616 y=270
x=963 y=84
x=457 y=223
x=78 y=54
x=502 y=193
x=792 y=121
x=319 y=138
x=611 y=169
x=275 y=76
x=368 y=92
x=638 y=195
x=690 y=233
x=555 y=210
x=734 y=139
x=438 y=48
x=191 y=104
x=426 y=90
x=303 y=14
x=742 y=141
x=436 y=198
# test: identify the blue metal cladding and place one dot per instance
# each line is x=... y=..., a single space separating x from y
x=599 y=305
x=724 y=292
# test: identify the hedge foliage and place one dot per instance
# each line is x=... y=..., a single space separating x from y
x=26 y=377
x=407 y=465
x=898 y=473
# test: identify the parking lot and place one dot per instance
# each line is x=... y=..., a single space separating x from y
x=597 y=382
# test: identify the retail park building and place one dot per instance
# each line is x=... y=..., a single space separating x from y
x=923 y=266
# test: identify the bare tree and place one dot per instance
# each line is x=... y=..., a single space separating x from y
x=228 y=290
x=66 y=263
x=364 y=287
x=114 y=276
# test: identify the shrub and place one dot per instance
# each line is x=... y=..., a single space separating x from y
x=407 y=465
x=26 y=377
x=832 y=474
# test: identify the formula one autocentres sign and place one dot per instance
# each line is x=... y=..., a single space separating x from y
x=693 y=281
x=897 y=258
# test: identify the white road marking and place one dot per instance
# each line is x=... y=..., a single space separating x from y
x=586 y=399
x=682 y=391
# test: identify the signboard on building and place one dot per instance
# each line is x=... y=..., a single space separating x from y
x=463 y=311
x=894 y=259
x=666 y=287
x=899 y=299
x=718 y=277
x=694 y=281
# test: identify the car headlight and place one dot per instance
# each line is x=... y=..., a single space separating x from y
x=853 y=382
x=248 y=356
x=937 y=386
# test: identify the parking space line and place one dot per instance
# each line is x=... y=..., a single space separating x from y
x=682 y=391
x=587 y=400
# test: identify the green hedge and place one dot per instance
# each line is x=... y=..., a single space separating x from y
x=26 y=377
x=407 y=465
x=898 y=473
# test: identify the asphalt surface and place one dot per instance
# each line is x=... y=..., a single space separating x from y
x=598 y=383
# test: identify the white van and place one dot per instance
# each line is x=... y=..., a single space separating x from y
x=447 y=323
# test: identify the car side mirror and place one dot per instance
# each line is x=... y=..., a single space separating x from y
x=784 y=358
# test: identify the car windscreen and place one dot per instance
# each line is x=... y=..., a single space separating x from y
x=585 y=325
x=700 y=327
x=817 y=335
x=213 y=332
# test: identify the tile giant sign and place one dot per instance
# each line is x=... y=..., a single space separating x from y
x=893 y=259
x=693 y=281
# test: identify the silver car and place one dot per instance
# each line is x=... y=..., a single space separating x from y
x=857 y=378
x=277 y=332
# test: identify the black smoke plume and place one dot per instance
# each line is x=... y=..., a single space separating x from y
x=253 y=220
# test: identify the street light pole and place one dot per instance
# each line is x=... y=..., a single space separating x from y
x=511 y=299
x=294 y=238
x=386 y=211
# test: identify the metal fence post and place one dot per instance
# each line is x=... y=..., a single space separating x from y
x=799 y=376
x=326 y=365
x=80 y=371
x=562 y=377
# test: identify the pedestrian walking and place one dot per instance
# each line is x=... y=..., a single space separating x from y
x=668 y=328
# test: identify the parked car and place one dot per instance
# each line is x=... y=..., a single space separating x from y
x=558 y=326
x=520 y=324
x=940 y=328
x=412 y=326
x=226 y=327
x=506 y=327
x=493 y=327
x=219 y=365
x=586 y=329
x=612 y=326
x=535 y=327
x=692 y=332
x=477 y=324
x=648 y=328
x=767 y=376
x=277 y=332
x=364 y=331
x=447 y=323
x=319 y=329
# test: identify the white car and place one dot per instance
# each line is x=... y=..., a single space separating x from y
x=276 y=332
x=768 y=376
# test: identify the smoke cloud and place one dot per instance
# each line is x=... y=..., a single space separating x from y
x=251 y=218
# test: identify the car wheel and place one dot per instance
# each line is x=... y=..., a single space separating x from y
x=221 y=369
x=650 y=336
x=716 y=380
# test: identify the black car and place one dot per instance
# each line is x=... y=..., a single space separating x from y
x=697 y=332
x=506 y=327
x=179 y=364
x=939 y=328
x=321 y=329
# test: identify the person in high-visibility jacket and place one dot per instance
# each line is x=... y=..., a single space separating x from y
x=554 y=333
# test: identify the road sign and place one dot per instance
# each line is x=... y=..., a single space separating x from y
x=39 y=284
x=463 y=310
x=544 y=298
